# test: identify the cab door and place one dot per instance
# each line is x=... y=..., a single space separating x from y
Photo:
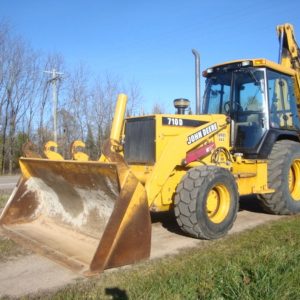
x=249 y=109
x=282 y=105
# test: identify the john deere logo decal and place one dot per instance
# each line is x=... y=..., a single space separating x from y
x=202 y=133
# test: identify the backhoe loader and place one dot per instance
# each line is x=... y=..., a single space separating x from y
x=242 y=140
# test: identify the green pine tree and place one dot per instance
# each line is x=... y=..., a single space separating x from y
x=90 y=145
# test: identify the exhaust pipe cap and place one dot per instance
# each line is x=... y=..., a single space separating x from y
x=181 y=104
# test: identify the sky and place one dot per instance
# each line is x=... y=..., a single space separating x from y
x=150 y=42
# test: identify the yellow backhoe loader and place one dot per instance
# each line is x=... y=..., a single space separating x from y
x=242 y=140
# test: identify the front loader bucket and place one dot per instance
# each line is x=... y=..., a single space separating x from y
x=76 y=213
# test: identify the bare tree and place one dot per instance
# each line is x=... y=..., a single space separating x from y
x=104 y=96
x=85 y=108
x=78 y=96
x=157 y=108
x=134 y=98
x=23 y=94
x=67 y=131
x=17 y=85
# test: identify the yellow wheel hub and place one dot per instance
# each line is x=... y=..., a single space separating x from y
x=294 y=180
x=218 y=203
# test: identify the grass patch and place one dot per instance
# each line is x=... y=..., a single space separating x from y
x=3 y=199
x=8 y=248
x=263 y=263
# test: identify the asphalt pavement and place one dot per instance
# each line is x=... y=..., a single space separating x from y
x=8 y=182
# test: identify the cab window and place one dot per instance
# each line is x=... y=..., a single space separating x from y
x=217 y=93
x=282 y=102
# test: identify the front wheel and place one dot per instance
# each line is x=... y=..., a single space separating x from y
x=206 y=202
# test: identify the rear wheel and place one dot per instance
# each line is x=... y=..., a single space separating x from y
x=206 y=202
x=284 y=178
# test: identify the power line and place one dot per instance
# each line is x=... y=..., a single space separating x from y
x=55 y=77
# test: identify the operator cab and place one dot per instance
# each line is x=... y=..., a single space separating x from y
x=260 y=101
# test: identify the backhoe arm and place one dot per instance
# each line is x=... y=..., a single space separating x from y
x=289 y=52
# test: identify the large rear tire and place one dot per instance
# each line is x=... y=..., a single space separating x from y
x=284 y=178
x=206 y=202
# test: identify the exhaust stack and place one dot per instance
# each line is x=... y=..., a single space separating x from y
x=197 y=81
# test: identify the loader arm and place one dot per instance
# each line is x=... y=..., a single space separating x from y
x=289 y=52
x=176 y=151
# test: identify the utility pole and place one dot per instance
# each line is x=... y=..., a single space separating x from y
x=55 y=76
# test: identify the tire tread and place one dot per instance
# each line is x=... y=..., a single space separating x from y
x=186 y=199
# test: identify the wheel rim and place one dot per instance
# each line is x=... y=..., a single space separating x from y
x=218 y=203
x=294 y=180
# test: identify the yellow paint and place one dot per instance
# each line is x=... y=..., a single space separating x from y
x=218 y=203
x=251 y=177
x=78 y=155
x=102 y=158
x=118 y=121
x=138 y=196
x=50 y=153
x=261 y=62
x=290 y=55
x=24 y=169
x=294 y=180
x=171 y=148
x=142 y=172
x=168 y=189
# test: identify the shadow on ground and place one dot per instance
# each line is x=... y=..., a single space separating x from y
x=251 y=203
x=168 y=221
x=116 y=293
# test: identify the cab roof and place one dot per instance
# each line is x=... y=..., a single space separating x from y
x=255 y=62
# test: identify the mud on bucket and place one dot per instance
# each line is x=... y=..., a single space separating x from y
x=75 y=213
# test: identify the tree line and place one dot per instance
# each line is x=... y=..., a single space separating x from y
x=85 y=107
